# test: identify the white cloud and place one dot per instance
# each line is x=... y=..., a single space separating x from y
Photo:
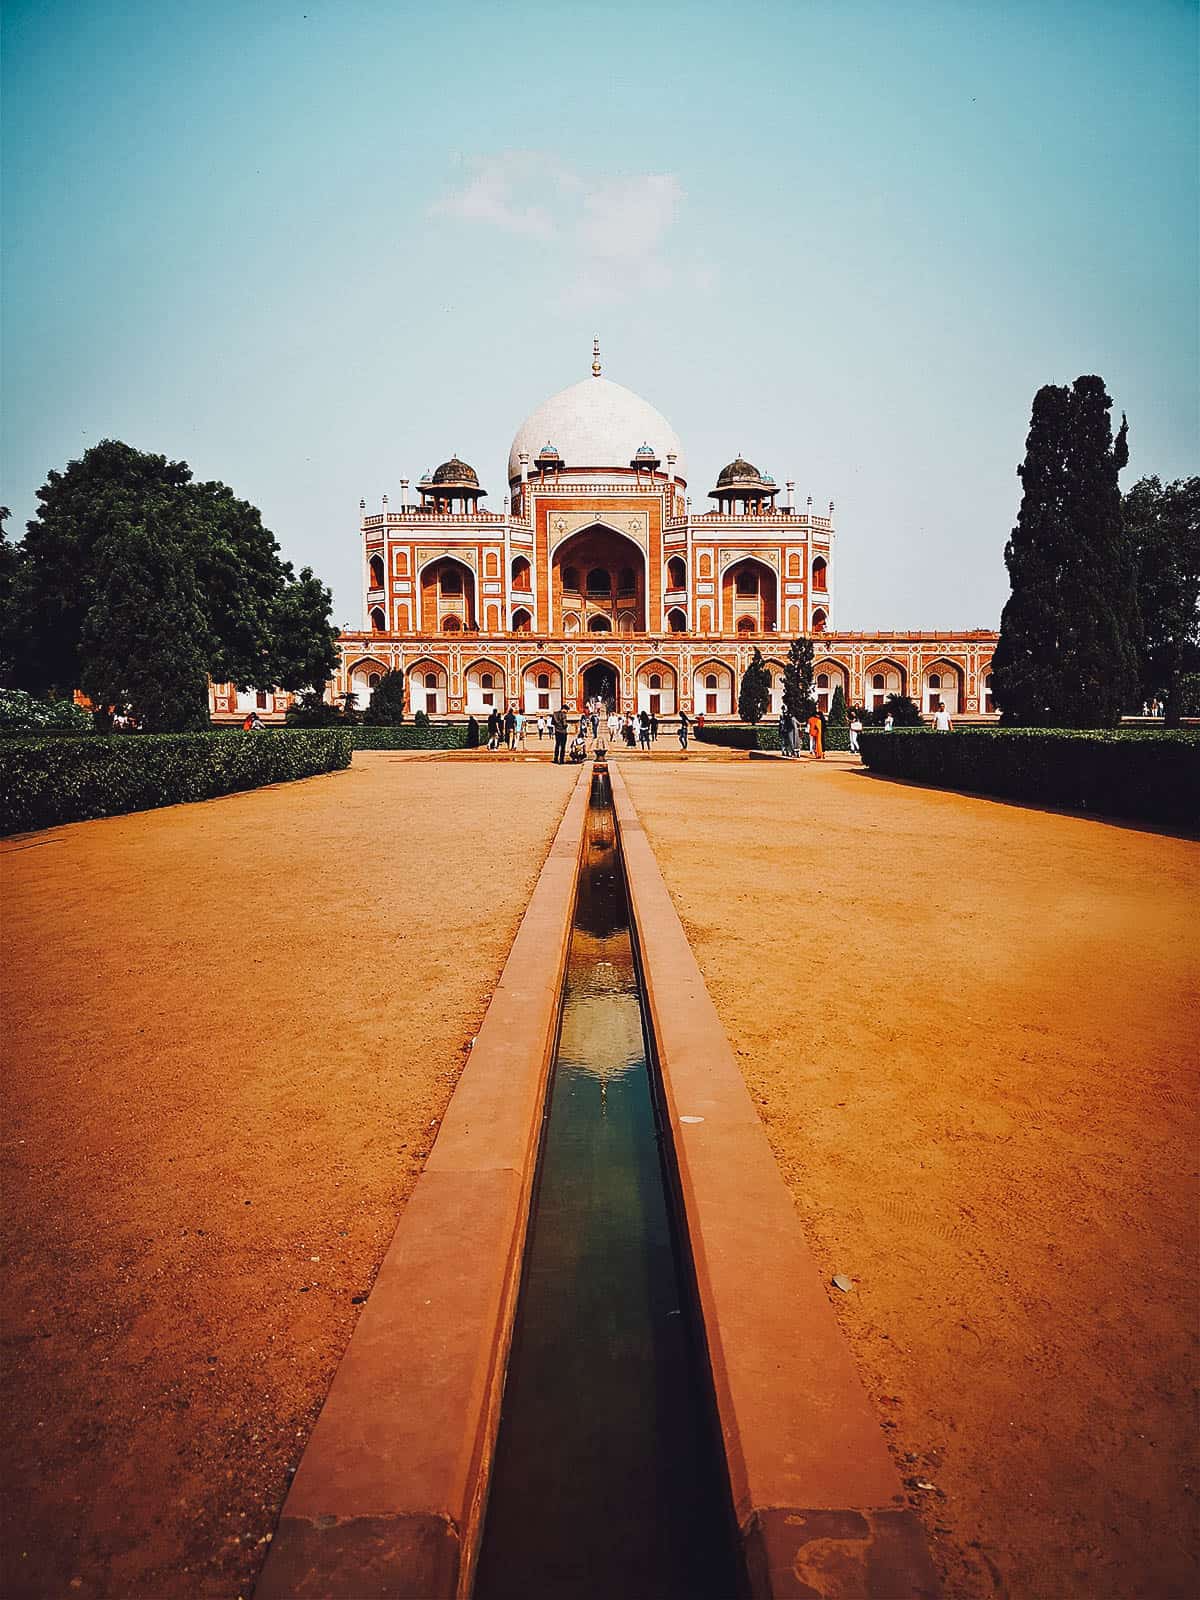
x=611 y=232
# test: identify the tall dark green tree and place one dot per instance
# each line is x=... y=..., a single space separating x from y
x=386 y=708
x=1066 y=655
x=137 y=583
x=754 y=695
x=1162 y=523
x=797 y=680
x=838 y=716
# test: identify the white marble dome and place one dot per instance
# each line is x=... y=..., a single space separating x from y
x=596 y=423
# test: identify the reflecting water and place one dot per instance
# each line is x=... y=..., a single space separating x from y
x=606 y=1484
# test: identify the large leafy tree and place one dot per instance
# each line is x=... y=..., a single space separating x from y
x=1162 y=523
x=754 y=695
x=797 y=680
x=135 y=583
x=1066 y=655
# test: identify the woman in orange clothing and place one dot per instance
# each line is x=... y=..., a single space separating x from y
x=816 y=736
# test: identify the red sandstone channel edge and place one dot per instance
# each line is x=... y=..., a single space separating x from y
x=388 y=1498
x=817 y=1500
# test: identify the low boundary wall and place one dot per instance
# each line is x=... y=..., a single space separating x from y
x=818 y=1502
x=389 y=1495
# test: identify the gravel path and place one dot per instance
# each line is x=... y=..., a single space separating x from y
x=971 y=1032
x=230 y=1030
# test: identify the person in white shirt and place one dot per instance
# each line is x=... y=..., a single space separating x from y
x=855 y=729
x=941 y=720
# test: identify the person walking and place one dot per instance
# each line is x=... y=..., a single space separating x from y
x=510 y=728
x=472 y=734
x=558 y=723
x=644 y=730
x=856 y=728
x=520 y=739
x=941 y=720
x=816 y=737
x=494 y=729
x=785 y=735
x=684 y=725
x=654 y=727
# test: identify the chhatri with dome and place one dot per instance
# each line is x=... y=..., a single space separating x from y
x=599 y=576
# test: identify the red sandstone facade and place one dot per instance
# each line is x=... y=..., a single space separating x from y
x=599 y=578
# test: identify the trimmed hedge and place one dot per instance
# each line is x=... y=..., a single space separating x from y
x=1153 y=776
x=46 y=782
x=437 y=736
x=741 y=736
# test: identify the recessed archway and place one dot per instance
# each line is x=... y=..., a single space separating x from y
x=712 y=689
x=427 y=688
x=542 y=684
x=601 y=681
x=941 y=685
x=363 y=677
x=485 y=688
x=750 y=597
x=606 y=570
x=447 y=592
x=881 y=679
x=656 y=689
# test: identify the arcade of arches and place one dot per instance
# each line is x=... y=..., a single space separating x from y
x=598 y=583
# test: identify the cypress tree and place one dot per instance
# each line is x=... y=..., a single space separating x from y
x=386 y=707
x=1066 y=656
x=838 y=716
x=754 y=696
x=797 y=680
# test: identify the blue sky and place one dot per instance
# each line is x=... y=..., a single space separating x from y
x=312 y=248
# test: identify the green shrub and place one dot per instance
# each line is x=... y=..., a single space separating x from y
x=46 y=782
x=1143 y=773
x=738 y=736
x=430 y=736
x=22 y=713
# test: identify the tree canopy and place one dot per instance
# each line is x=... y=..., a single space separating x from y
x=136 y=584
x=754 y=696
x=1066 y=655
x=1162 y=523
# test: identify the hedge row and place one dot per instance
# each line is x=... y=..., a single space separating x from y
x=46 y=782
x=765 y=736
x=1154 y=777
x=437 y=736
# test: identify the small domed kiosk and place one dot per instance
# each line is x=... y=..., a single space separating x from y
x=452 y=487
x=743 y=489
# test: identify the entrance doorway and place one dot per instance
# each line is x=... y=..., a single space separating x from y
x=602 y=681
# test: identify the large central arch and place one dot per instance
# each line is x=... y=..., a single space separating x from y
x=600 y=679
x=598 y=576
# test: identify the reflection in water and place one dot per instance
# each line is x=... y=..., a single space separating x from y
x=606 y=1483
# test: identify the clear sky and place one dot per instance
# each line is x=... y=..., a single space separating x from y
x=314 y=247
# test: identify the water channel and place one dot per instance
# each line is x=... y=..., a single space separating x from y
x=608 y=1483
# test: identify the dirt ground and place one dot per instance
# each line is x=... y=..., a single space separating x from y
x=971 y=1031
x=230 y=1029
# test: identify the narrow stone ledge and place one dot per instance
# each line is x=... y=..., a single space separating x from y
x=796 y=1426
x=388 y=1499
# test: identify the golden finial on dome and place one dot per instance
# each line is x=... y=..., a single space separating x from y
x=596 y=357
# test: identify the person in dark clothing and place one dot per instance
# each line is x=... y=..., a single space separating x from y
x=494 y=725
x=684 y=724
x=644 y=730
x=472 y=734
x=653 y=727
x=510 y=728
x=559 y=723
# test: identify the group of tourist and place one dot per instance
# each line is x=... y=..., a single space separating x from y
x=509 y=730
